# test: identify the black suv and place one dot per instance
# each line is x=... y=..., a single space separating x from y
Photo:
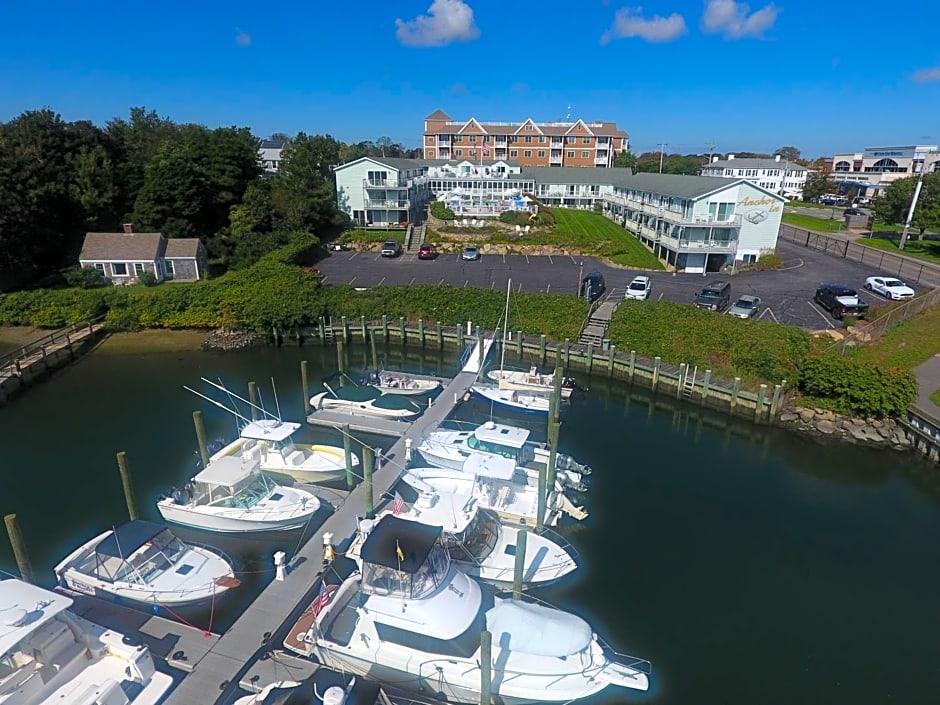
x=593 y=286
x=714 y=297
x=841 y=300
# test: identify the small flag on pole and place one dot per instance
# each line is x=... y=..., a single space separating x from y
x=323 y=599
x=486 y=147
x=401 y=554
x=398 y=504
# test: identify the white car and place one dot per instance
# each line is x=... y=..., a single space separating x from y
x=639 y=289
x=889 y=287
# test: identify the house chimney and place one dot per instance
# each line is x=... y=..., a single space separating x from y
x=776 y=157
x=128 y=228
x=715 y=158
x=730 y=157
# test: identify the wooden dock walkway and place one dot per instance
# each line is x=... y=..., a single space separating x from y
x=258 y=632
x=363 y=424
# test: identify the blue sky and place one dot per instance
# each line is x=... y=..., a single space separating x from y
x=820 y=75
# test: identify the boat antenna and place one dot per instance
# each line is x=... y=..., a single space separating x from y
x=218 y=404
x=231 y=399
x=277 y=404
x=241 y=399
x=502 y=359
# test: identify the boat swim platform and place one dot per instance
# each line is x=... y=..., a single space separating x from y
x=263 y=625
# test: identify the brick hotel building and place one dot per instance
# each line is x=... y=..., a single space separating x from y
x=529 y=143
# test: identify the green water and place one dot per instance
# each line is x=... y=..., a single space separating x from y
x=750 y=566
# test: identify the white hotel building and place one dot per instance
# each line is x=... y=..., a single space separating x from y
x=779 y=176
x=695 y=223
x=871 y=171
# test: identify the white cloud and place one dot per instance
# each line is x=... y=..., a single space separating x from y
x=735 y=21
x=925 y=75
x=446 y=21
x=629 y=22
x=242 y=39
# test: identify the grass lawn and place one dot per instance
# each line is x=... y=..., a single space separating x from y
x=807 y=204
x=935 y=397
x=928 y=250
x=907 y=345
x=595 y=234
x=820 y=225
x=370 y=236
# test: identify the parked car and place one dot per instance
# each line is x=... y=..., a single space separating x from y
x=639 y=289
x=853 y=211
x=593 y=286
x=841 y=301
x=427 y=251
x=746 y=306
x=889 y=287
x=391 y=248
x=470 y=253
x=714 y=297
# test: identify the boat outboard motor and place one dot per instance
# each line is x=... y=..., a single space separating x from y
x=374 y=377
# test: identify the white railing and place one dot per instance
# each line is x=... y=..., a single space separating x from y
x=372 y=183
x=397 y=205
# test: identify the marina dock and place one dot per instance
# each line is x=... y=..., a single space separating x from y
x=248 y=653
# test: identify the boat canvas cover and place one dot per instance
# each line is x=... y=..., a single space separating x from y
x=537 y=629
x=269 y=430
x=227 y=471
x=495 y=467
x=23 y=609
x=415 y=540
x=127 y=538
x=512 y=436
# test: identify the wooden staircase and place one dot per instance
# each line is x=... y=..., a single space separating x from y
x=595 y=328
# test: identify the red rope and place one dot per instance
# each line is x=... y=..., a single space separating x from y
x=177 y=615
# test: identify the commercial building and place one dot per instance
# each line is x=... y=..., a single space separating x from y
x=871 y=171
x=578 y=143
x=776 y=174
x=695 y=223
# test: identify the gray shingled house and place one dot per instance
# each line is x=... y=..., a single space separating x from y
x=123 y=257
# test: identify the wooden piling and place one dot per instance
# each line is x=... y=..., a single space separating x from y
x=347 y=451
x=590 y=356
x=253 y=398
x=568 y=354
x=759 y=409
x=706 y=382
x=519 y=343
x=631 y=368
x=680 y=382
x=128 y=486
x=362 y=329
x=385 y=327
x=345 y=329
x=486 y=664
x=200 y=438
x=735 y=391
x=341 y=360
x=775 y=400
x=421 y=337
x=657 y=361
x=305 y=387
x=368 y=458
x=440 y=336
x=518 y=572
x=611 y=355
x=542 y=349
x=401 y=327
x=321 y=327
x=19 y=547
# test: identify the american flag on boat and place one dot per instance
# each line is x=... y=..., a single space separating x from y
x=398 y=504
x=323 y=599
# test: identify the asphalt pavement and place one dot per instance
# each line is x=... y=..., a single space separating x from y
x=786 y=294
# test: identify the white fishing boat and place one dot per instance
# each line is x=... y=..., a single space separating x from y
x=328 y=687
x=232 y=495
x=499 y=486
x=270 y=440
x=51 y=656
x=530 y=402
x=366 y=401
x=451 y=447
x=409 y=616
x=402 y=383
x=144 y=562
x=477 y=542
x=531 y=381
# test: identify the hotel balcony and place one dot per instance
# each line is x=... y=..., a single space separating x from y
x=442 y=142
x=601 y=159
x=555 y=158
x=388 y=205
x=392 y=185
x=684 y=243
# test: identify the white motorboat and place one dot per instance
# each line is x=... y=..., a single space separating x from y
x=530 y=402
x=51 y=656
x=478 y=543
x=450 y=448
x=144 y=562
x=411 y=617
x=402 y=383
x=497 y=485
x=271 y=441
x=330 y=688
x=366 y=401
x=232 y=495
x=532 y=381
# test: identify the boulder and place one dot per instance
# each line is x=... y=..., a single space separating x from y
x=825 y=426
x=789 y=417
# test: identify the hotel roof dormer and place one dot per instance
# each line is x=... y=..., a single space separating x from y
x=528 y=126
x=472 y=127
x=579 y=128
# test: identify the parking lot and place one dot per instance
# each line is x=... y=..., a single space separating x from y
x=786 y=294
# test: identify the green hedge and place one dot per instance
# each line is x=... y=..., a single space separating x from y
x=853 y=387
x=440 y=211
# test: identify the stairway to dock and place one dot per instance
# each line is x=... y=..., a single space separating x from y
x=595 y=329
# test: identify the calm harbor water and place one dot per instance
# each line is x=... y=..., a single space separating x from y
x=749 y=565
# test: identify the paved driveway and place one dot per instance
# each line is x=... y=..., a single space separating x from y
x=787 y=294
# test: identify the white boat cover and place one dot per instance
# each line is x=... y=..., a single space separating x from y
x=227 y=471
x=493 y=466
x=536 y=629
x=269 y=430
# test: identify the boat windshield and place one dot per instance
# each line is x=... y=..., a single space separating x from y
x=153 y=558
x=244 y=495
x=382 y=580
x=475 y=443
x=479 y=538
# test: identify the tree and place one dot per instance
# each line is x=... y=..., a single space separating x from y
x=790 y=154
x=626 y=160
x=893 y=206
x=174 y=194
x=817 y=184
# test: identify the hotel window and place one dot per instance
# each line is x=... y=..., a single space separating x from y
x=459 y=152
x=528 y=128
x=119 y=269
x=542 y=139
x=570 y=155
x=430 y=139
x=513 y=152
x=138 y=268
x=585 y=155
x=586 y=140
x=571 y=140
x=528 y=139
x=473 y=138
x=527 y=153
x=541 y=152
x=473 y=152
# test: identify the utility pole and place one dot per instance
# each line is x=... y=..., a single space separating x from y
x=662 y=154
x=917 y=188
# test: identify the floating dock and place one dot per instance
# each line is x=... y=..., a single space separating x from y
x=363 y=424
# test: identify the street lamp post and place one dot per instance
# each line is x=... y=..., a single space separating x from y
x=910 y=212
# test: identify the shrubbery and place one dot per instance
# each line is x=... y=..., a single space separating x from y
x=84 y=277
x=441 y=211
x=853 y=387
